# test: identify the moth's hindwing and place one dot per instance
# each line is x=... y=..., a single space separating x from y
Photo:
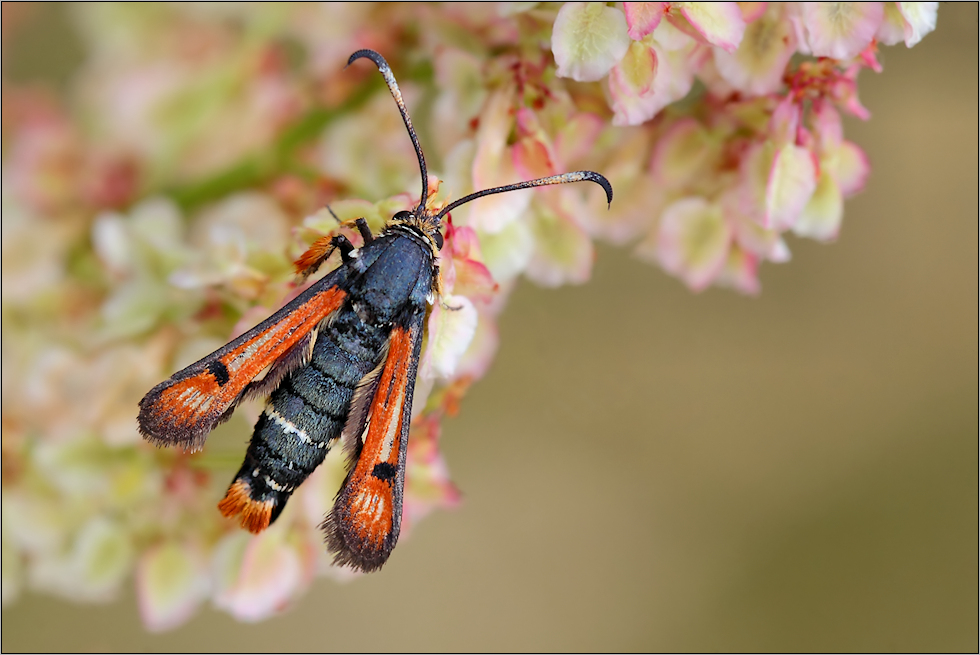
x=363 y=526
x=184 y=409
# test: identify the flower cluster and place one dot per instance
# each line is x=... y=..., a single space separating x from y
x=763 y=151
x=153 y=213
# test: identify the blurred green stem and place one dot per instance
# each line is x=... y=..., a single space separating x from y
x=261 y=166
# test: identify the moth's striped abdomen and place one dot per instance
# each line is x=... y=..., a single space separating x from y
x=301 y=423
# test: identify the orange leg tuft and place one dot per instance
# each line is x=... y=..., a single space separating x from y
x=315 y=255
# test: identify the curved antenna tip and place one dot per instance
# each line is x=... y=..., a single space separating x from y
x=601 y=180
x=376 y=57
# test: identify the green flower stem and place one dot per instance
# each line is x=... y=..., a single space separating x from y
x=261 y=166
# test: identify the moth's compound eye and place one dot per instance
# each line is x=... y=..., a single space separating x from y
x=437 y=237
x=402 y=216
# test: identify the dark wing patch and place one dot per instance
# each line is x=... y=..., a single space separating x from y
x=219 y=371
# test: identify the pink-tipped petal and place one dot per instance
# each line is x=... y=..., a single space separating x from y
x=264 y=572
x=588 y=39
x=750 y=194
x=533 y=155
x=841 y=30
x=794 y=14
x=792 y=180
x=676 y=33
x=473 y=280
x=631 y=84
x=844 y=93
x=576 y=139
x=821 y=217
x=892 y=28
x=780 y=252
x=920 y=19
x=496 y=123
x=476 y=361
x=853 y=168
x=682 y=153
x=785 y=122
x=752 y=11
x=673 y=79
x=720 y=23
x=563 y=252
x=758 y=65
x=869 y=56
x=740 y=272
x=493 y=166
x=642 y=17
x=465 y=243
x=171 y=583
x=462 y=268
x=533 y=158
x=692 y=241
x=637 y=69
x=749 y=235
x=827 y=126
x=452 y=324
x=506 y=253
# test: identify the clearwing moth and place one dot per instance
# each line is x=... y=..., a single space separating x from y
x=340 y=361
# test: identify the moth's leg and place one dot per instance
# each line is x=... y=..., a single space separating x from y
x=343 y=244
x=449 y=307
x=365 y=231
x=362 y=227
x=322 y=248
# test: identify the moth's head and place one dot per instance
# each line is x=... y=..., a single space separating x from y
x=423 y=222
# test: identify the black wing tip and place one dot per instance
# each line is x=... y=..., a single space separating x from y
x=189 y=442
x=376 y=57
x=347 y=554
x=159 y=431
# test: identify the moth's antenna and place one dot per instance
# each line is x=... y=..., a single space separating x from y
x=577 y=176
x=396 y=93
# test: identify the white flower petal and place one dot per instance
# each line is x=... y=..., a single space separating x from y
x=588 y=39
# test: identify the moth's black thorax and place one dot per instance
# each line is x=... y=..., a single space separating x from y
x=397 y=277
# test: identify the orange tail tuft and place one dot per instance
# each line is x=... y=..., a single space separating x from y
x=256 y=515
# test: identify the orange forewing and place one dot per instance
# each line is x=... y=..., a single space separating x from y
x=185 y=408
x=363 y=526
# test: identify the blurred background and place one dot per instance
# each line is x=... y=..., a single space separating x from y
x=645 y=468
